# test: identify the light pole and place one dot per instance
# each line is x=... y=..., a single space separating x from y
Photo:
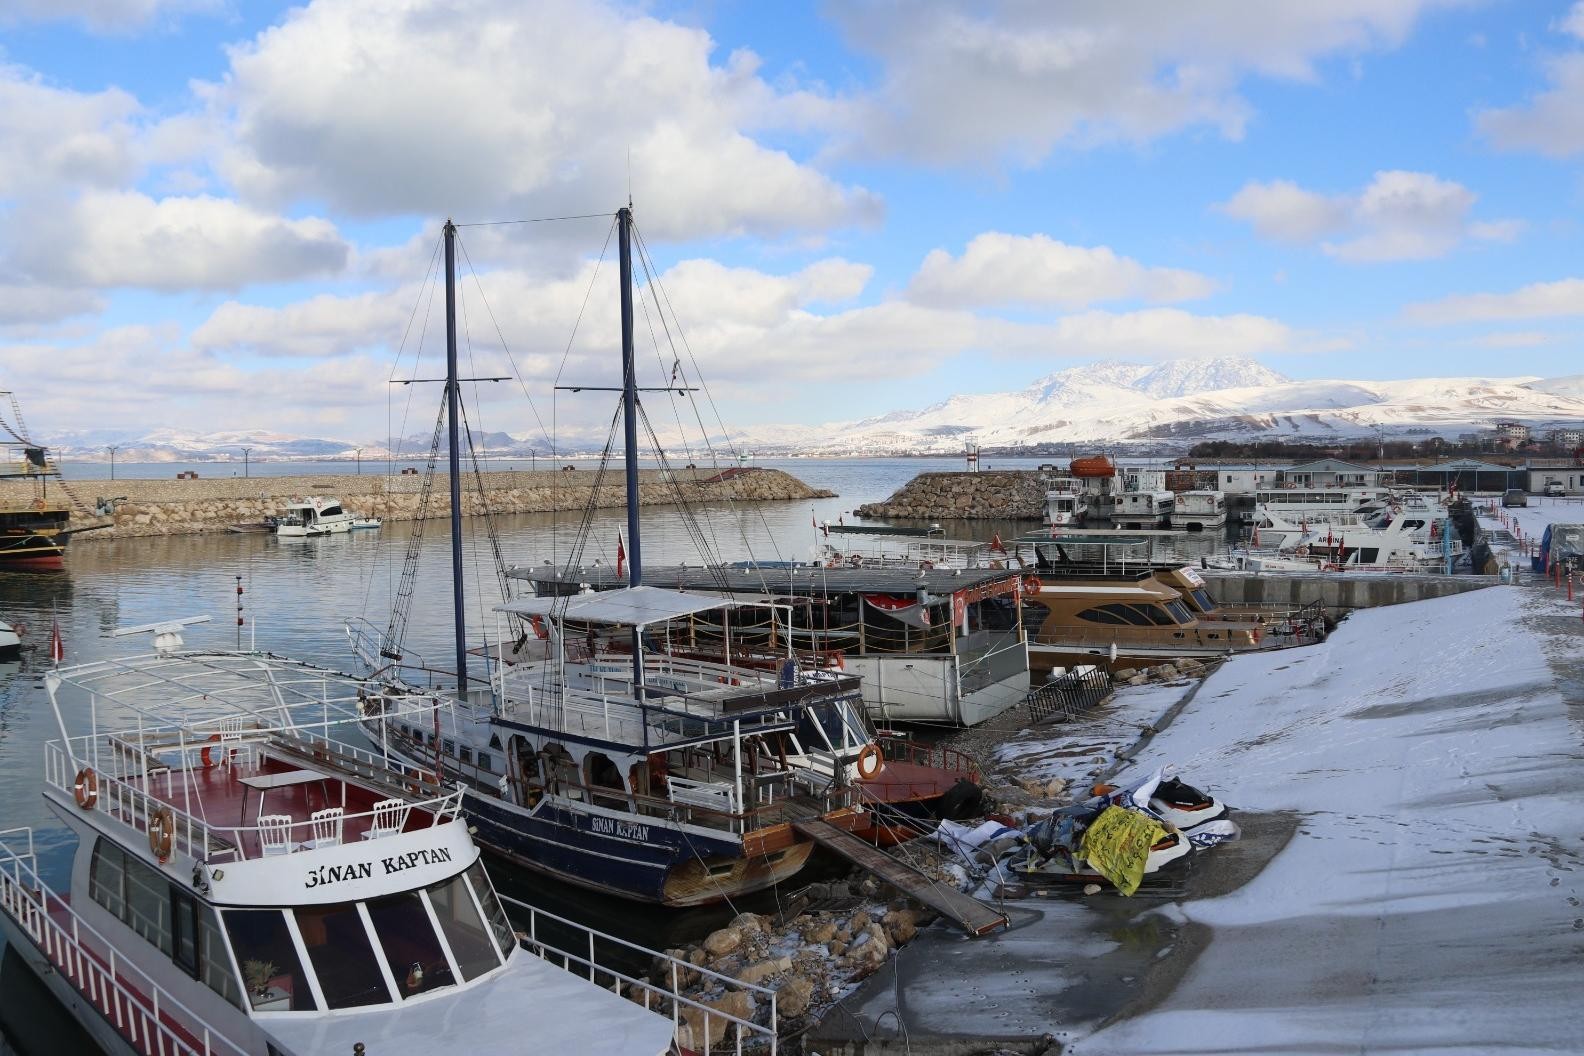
x=112 y=449
x=245 y=452
x=533 y=460
x=359 y=451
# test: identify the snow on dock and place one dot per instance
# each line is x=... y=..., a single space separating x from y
x=1409 y=879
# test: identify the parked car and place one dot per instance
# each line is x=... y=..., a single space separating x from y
x=1515 y=497
x=1553 y=487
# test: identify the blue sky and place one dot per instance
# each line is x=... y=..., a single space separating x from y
x=218 y=214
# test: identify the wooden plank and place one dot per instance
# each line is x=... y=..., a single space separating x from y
x=972 y=915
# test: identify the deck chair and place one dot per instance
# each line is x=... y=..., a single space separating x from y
x=326 y=825
x=390 y=817
x=275 y=834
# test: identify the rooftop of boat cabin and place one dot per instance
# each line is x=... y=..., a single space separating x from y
x=781 y=581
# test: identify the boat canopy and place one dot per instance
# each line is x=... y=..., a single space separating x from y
x=629 y=607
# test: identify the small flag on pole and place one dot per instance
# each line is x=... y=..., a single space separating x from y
x=57 y=647
x=621 y=557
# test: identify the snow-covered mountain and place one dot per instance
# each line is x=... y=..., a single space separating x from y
x=1184 y=401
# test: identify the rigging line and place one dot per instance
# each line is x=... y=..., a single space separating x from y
x=532 y=407
x=690 y=519
x=533 y=220
x=566 y=352
x=657 y=289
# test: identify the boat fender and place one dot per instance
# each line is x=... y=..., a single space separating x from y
x=162 y=833
x=86 y=788
x=207 y=755
x=38 y=504
x=1031 y=584
x=868 y=762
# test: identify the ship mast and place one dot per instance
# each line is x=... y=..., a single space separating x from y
x=630 y=430
x=453 y=400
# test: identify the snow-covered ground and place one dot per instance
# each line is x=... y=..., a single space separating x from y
x=1430 y=899
x=1410 y=879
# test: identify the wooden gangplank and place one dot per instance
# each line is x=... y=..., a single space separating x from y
x=972 y=915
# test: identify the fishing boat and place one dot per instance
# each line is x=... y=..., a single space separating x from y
x=1065 y=502
x=244 y=883
x=315 y=516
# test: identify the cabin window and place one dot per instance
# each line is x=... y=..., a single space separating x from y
x=450 y=746
x=1179 y=612
x=184 y=930
x=1153 y=614
x=466 y=755
x=495 y=741
x=148 y=904
x=463 y=928
x=105 y=877
x=1101 y=615
x=485 y=762
x=494 y=912
x=600 y=773
x=343 y=961
x=213 y=961
x=330 y=511
x=1369 y=555
x=412 y=950
x=263 y=945
x=1202 y=599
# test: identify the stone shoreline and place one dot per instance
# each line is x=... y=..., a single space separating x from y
x=193 y=507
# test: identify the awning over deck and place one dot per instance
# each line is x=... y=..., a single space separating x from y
x=627 y=607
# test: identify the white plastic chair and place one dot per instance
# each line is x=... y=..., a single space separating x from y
x=275 y=833
x=327 y=826
x=390 y=817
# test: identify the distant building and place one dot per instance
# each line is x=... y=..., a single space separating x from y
x=1567 y=439
x=1331 y=473
x=1512 y=433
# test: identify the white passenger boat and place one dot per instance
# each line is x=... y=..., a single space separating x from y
x=318 y=515
x=1065 y=503
x=1197 y=510
x=242 y=884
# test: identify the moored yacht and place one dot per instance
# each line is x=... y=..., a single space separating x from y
x=317 y=515
x=242 y=884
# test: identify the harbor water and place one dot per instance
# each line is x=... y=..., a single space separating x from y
x=297 y=593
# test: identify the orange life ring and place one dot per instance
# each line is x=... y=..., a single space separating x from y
x=1031 y=584
x=87 y=788
x=205 y=756
x=868 y=762
x=855 y=561
x=838 y=663
x=162 y=833
x=38 y=504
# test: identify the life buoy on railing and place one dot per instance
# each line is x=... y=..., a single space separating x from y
x=206 y=756
x=86 y=788
x=855 y=561
x=162 y=833
x=38 y=504
x=1032 y=584
x=869 y=761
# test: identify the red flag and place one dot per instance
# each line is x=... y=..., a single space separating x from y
x=57 y=647
x=997 y=545
x=621 y=557
x=813 y=520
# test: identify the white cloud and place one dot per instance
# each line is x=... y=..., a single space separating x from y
x=492 y=109
x=1540 y=300
x=1572 y=23
x=27 y=303
x=1284 y=211
x=978 y=82
x=101 y=15
x=1165 y=333
x=1016 y=270
x=1399 y=215
x=52 y=136
x=1552 y=122
x=1514 y=339
x=123 y=238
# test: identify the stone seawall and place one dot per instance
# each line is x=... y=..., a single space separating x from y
x=190 y=507
x=991 y=495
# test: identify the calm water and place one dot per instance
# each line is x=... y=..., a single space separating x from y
x=298 y=592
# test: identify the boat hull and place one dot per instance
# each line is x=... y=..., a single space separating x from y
x=33 y=551
x=639 y=858
x=84 y=1011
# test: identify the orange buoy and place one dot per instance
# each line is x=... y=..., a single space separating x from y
x=86 y=788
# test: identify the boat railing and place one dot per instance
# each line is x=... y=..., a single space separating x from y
x=143 y=1012
x=693 y=1020
x=137 y=807
x=899 y=748
x=718 y=796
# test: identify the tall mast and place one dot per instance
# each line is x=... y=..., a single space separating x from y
x=453 y=401
x=630 y=429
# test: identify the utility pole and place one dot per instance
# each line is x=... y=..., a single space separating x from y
x=359 y=451
x=245 y=452
x=112 y=449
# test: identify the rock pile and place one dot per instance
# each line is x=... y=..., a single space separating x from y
x=993 y=495
x=1182 y=667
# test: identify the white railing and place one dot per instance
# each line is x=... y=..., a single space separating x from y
x=139 y=1009
x=127 y=803
x=711 y=795
x=742 y=1033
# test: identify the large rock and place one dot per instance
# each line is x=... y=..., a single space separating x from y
x=820 y=931
x=793 y=997
x=900 y=926
x=723 y=943
x=701 y=1030
x=759 y=971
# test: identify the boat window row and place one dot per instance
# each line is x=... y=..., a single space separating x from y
x=165 y=914
x=378 y=951
x=447 y=746
x=1167 y=614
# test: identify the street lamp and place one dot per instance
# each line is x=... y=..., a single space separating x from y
x=112 y=449
x=245 y=452
x=359 y=452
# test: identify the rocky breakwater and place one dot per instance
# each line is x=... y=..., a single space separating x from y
x=195 y=506
x=990 y=495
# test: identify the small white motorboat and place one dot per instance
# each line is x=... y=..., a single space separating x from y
x=365 y=524
x=318 y=515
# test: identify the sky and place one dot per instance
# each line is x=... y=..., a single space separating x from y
x=223 y=215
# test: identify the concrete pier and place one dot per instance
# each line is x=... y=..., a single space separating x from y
x=211 y=504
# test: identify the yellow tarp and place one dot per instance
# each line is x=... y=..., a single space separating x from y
x=1117 y=845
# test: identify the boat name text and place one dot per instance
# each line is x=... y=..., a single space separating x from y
x=334 y=874
x=625 y=829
